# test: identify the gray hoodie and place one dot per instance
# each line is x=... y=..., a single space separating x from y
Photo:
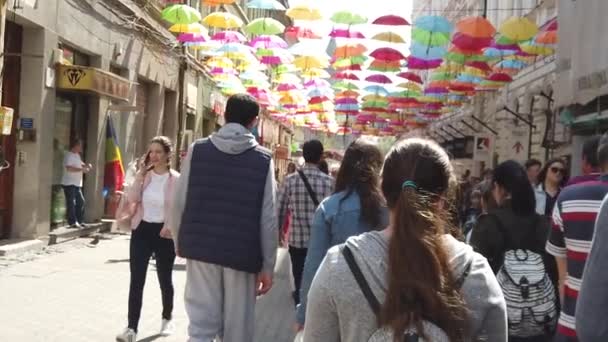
x=338 y=311
x=234 y=139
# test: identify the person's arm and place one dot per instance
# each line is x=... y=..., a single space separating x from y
x=283 y=201
x=592 y=304
x=320 y=242
x=556 y=246
x=269 y=223
x=322 y=324
x=485 y=239
x=180 y=191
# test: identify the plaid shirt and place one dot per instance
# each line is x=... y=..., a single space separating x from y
x=295 y=197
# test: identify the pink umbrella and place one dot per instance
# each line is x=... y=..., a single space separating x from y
x=391 y=20
x=342 y=33
x=222 y=71
x=191 y=38
x=268 y=42
x=379 y=78
x=436 y=90
x=318 y=99
x=421 y=64
x=347 y=100
x=262 y=95
x=410 y=76
x=276 y=60
x=288 y=87
x=317 y=83
x=300 y=32
x=387 y=54
x=229 y=37
x=346 y=76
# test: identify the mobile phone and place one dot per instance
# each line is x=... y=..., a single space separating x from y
x=147 y=161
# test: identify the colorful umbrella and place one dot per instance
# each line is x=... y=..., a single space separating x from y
x=385 y=66
x=307 y=62
x=266 y=4
x=191 y=38
x=343 y=33
x=220 y=62
x=304 y=12
x=548 y=37
x=223 y=20
x=410 y=76
x=518 y=29
x=467 y=42
x=500 y=77
x=317 y=83
x=181 y=14
x=421 y=64
x=265 y=26
x=389 y=37
x=376 y=89
x=194 y=28
x=346 y=76
x=379 y=78
x=349 y=50
x=345 y=85
x=268 y=42
x=349 y=61
x=537 y=50
x=430 y=38
x=218 y=2
x=427 y=52
x=348 y=18
x=476 y=27
x=479 y=65
x=387 y=54
x=433 y=23
x=229 y=37
x=316 y=73
x=295 y=32
x=391 y=20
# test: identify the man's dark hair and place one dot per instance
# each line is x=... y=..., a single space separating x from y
x=532 y=162
x=602 y=152
x=590 y=147
x=241 y=109
x=313 y=151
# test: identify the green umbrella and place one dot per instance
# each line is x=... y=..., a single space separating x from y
x=462 y=58
x=406 y=94
x=343 y=85
x=285 y=68
x=267 y=26
x=348 y=18
x=442 y=76
x=376 y=104
x=430 y=38
x=181 y=14
x=346 y=62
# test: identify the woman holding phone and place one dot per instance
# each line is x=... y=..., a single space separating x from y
x=152 y=195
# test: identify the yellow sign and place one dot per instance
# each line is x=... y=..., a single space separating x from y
x=81 y=78
x=6 y=120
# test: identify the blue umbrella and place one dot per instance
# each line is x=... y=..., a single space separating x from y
x=234 y=48
x=319 y=92
x=427 y=52
x=346 y=107
x=266 y=4
x=434 y=23
x=376 y=89
x=498 y=53
x=469 y=79
x=512 y=64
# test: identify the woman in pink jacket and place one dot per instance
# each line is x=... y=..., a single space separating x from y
x=151 y=196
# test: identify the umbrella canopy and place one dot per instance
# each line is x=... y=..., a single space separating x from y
x=410 y=76
x=234 y=48
x=181 y=14
x=433 y=23
x=218 y=2
x=479 y=65
x=344 y=33
x=301 y=32
x=376 y=89
x=548 y=37
x=348 y=18
x=346 y=76
x=500 y=77
x=316 y=73
x=229 y=37
x=308 y=62
x=385 y=66
x=304 y=12
x=467 y=42
x=268 y=42
x=223 y=20
x=194 y=28
x=389 y=37
x=476 y=27
x=266 y=4
x=430 y=38
x=191 y=38
x=379 y=78
x=537 y=50
x=391 y=20
x=428 y=52
x=345 y=85
x=317 y=83
x=421 y=64
x=387 y=54
x=349 y=50
x=518 y=29
x=220 y=62
x=265 y=26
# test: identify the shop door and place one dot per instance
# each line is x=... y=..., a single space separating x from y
x=10 y=98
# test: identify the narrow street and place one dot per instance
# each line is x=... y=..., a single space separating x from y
x=81 y=295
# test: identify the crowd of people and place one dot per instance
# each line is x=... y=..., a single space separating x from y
x=395 y=248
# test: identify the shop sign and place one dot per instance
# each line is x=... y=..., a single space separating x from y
x=484 y=149
x=81 y=78
x=518 y=144
x=6 y=120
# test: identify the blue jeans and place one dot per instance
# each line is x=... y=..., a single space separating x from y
x=74 y=203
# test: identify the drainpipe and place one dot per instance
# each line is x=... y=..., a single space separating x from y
x=181 y=81
x=531 y=119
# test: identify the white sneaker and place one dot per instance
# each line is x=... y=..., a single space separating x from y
x=167 y=328
x=129 y=335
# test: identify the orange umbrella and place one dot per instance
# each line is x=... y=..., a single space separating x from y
x=548 y=37
x=218 y=2
x=477 y=27
x=349 y=50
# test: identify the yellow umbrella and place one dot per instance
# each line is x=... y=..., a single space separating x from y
x=518 y=29
x=390 y=37
x=316 y=73
x=539 y=50
x=374 y=97
x=286 y=78
x=223 y=20
x=195 y=28
x=410 y=86
x=308 y=62
x=304 y=12
x=220 y=62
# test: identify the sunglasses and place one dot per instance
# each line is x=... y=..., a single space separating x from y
x=557 y=170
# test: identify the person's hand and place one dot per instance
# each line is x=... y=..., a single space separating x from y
x=142 y=168
x=165 y=233
x=298 y=327
x=263 y=283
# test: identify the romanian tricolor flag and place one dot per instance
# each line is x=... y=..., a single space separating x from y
x=114 y=171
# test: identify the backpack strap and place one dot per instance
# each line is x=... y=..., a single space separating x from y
x=311 y=192
x=363 y=285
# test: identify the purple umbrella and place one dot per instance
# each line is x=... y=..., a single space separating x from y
x=229 y=37
x=342 y=33
x=268 y=42
x=379 y=78
x=421 y=64
x=347 y=100
x=191 y=38
x=317 y=83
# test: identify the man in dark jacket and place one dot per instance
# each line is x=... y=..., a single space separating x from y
x=225 y=222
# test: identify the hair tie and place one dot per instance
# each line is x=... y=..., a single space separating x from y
x=409 y=184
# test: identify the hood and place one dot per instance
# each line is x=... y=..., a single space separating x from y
x=233 y=139
x=370 y=252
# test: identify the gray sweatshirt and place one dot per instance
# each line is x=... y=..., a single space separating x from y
x=235 y=139
x=338 y=311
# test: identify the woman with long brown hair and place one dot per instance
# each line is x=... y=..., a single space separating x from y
x=420 y=278
x=356 y=207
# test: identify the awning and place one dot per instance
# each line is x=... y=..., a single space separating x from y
x=582 y=65
x=92 y=80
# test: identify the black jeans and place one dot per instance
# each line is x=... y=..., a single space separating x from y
x=298 y=257
x=146 y=240
x=74 y=204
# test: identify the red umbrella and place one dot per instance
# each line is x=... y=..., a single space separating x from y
x=483 y=66
x=379 y=78
x=342 y=33
x=301 y=32
x=500 y=77
x=551 y=25
x=421 y=64
x=387 y=54
x=410 y=76
x=391 y=20
x=346 y=76
x=354 y=67
x=467 y=42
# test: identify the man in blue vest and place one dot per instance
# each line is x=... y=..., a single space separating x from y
x=225 y=225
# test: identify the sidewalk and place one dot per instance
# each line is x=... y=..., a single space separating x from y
x=81 y=295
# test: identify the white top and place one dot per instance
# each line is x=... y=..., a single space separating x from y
x=72 y=178
x=153 y=198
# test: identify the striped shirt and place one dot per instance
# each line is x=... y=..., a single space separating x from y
x=296 y=198
x=571 y=234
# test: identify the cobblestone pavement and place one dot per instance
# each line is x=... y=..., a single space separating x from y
x=76 y=293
